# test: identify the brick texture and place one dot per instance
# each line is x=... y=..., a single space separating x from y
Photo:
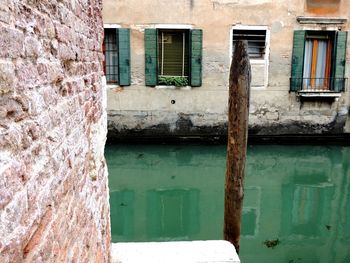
x=53 y=175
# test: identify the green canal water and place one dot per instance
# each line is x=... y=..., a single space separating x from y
x=297 y=196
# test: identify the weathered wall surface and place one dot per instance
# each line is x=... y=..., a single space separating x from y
x=53 y=178
x=142 y=110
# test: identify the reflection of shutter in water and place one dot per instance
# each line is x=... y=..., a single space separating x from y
x=122 y=214
x=249 y=221
x=172 y=213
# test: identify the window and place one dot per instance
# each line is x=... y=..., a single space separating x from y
x=258 y=50
x=116 y=50
x=318 y=61
x=173 y=53
x=173 y=57
x=256 y=41
x=111 y=55
x=172 y=213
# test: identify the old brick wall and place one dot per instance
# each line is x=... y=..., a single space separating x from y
x=53 y=177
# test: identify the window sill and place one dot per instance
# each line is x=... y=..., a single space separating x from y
x=258 y=61
x=319 y=94
x=172 y=87
x=112 y=86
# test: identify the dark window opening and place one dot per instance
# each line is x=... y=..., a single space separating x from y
x=110 y=50
x=173 y=53
x=256 y=41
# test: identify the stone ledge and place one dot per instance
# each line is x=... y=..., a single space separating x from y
x=218 y=251
x=310 y=94
x=321 y=20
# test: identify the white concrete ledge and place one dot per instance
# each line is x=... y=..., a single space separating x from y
x=321 y=20
x=217 y=251
x=311 y=94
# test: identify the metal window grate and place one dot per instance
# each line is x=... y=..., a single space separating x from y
x=319 y=84
x=111 y=55
x=256 y=41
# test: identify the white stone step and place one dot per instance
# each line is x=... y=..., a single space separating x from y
x=218 y=251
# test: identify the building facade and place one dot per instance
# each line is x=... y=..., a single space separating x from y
x=167 y=66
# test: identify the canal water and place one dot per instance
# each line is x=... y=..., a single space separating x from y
x=296 y=204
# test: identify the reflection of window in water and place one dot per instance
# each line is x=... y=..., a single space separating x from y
x=251 y=211
x=249 y=221
x=304 y=205
x=172 y=213
x=122 y=214
x=306 y=208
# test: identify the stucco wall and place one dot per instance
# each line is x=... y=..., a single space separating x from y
x=53 y=177
x=142 y=110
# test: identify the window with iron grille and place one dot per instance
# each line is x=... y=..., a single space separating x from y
x=116 y=50
x=111 y=55
x=318 y=61
x=256 y=41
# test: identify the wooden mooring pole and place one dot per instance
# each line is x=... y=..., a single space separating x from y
x=237 y=142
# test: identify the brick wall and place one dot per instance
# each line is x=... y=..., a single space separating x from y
x=53 y=178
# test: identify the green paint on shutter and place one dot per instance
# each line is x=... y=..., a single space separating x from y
x=196 y=57
x=151 y=57
x=124 y=56
x=297 y=60
x=339 y=64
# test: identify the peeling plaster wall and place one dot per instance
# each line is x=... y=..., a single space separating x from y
x=142 y=110
x=54 y=203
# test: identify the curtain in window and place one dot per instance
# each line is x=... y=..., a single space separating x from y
x=315 y=63
x=321 y=64
x=307 y=64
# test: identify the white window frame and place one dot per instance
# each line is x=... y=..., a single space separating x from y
x=111 y=26
x=173 y=26
x=265 y=60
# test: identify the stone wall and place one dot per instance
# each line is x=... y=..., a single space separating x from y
x=202 y=111
x=53 y=177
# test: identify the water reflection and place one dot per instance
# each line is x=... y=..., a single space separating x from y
x=296 y=194
x=172 y=213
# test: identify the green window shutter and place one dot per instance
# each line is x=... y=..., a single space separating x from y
x=124 y=56
x=339 y=62
x=151 y=57
x=196 y=57
x=297 y=60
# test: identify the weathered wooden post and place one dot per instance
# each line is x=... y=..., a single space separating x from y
x=237 y=142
